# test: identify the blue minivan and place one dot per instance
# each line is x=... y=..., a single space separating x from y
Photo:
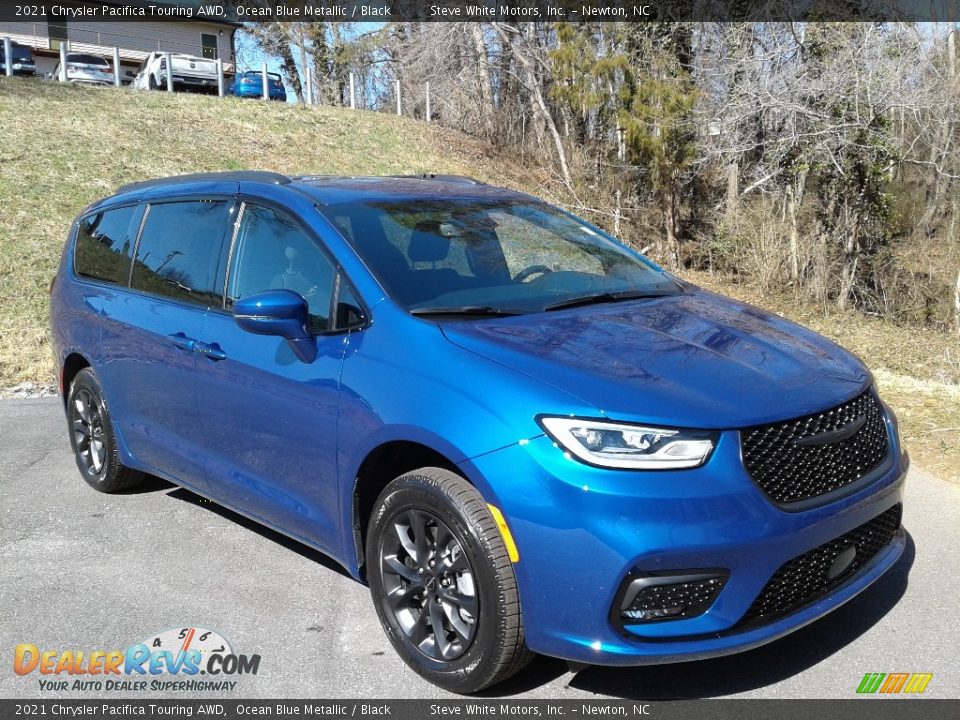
x=522 y=435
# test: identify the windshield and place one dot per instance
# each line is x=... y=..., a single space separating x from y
x=502 y=258
x=20 y=53
x=87 y=60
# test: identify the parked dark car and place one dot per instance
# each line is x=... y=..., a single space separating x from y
x=22 y=59
x=525 y=436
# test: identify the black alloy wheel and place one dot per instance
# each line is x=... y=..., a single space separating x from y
x=86 y=422
x=430 y=585
x=443 y=583
x=92 y=437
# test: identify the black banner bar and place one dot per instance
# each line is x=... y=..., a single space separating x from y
x=858 y=709
x=236 y=11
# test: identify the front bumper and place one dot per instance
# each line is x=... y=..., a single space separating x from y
x=582 y=530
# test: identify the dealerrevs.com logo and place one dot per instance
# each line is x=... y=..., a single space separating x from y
x=169 y=661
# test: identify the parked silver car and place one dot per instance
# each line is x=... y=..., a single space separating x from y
x=87 y=69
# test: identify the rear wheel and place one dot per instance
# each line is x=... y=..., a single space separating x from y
x=92 y=438
x=442 y=582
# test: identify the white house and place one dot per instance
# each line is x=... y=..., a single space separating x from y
x=135 y=39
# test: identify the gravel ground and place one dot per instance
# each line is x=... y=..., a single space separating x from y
x=28 y=390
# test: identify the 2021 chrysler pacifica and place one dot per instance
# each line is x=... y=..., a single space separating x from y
x=524 y=436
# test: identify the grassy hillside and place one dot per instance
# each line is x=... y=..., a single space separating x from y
x=62 y=147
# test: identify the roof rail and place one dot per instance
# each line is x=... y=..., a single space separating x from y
x=457 y=179
x=262 y=176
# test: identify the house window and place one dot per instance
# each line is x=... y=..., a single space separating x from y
x=57 y=33
x=210 y=46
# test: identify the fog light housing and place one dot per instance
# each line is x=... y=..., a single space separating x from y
x=655 y=597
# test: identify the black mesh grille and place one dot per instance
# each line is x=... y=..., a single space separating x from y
x=808 y=577
x=679 y=600
x=810 y=456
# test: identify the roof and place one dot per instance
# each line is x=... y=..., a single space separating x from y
x=230 y=176
x=332 y=190
x=336 y=190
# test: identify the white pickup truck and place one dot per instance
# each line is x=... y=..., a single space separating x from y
x=189 y=73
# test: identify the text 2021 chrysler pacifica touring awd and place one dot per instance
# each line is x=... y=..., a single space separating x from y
x=524 y=436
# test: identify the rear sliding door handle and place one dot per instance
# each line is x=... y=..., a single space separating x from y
x=182 y=342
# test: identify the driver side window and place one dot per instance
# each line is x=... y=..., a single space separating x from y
x=271 y=252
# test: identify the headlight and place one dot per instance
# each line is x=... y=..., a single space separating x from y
x=635 y=447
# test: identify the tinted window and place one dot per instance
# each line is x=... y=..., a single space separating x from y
x=103 y=246
x=349 y=311
x=20 y=53
x=272 y=252
x=179 y=249
x=87 y=60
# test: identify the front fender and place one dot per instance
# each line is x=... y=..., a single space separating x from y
x=403 y=380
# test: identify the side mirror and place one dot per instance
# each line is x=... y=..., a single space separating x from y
x=278 y=312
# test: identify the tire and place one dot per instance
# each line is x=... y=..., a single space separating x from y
x=152 y=82
x=480 y=640
x=92 y=437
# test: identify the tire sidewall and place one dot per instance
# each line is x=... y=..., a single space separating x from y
x=86 y=380
x=416 y=492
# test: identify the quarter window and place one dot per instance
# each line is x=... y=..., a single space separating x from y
x=271 y=252
x=103 y=246
x=179 y=250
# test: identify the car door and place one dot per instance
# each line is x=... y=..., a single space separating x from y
x=269 y=419
x=149 y=332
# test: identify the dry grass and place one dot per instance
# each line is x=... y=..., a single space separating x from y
x=63 y=147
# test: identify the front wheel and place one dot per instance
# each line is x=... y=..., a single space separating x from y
x=442 y=582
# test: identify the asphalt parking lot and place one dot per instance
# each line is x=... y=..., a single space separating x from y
x=81 y=570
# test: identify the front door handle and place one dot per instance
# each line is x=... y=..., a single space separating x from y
x=182 y=342
x=214 y=352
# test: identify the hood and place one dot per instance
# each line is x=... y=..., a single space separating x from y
x=690 y=360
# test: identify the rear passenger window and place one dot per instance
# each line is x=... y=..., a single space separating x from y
x=179 y=249
x=103 y=245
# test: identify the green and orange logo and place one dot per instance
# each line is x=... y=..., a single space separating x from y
x=892 y=683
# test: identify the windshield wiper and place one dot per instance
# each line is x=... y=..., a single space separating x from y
x=604 y=297
x=478 y=310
